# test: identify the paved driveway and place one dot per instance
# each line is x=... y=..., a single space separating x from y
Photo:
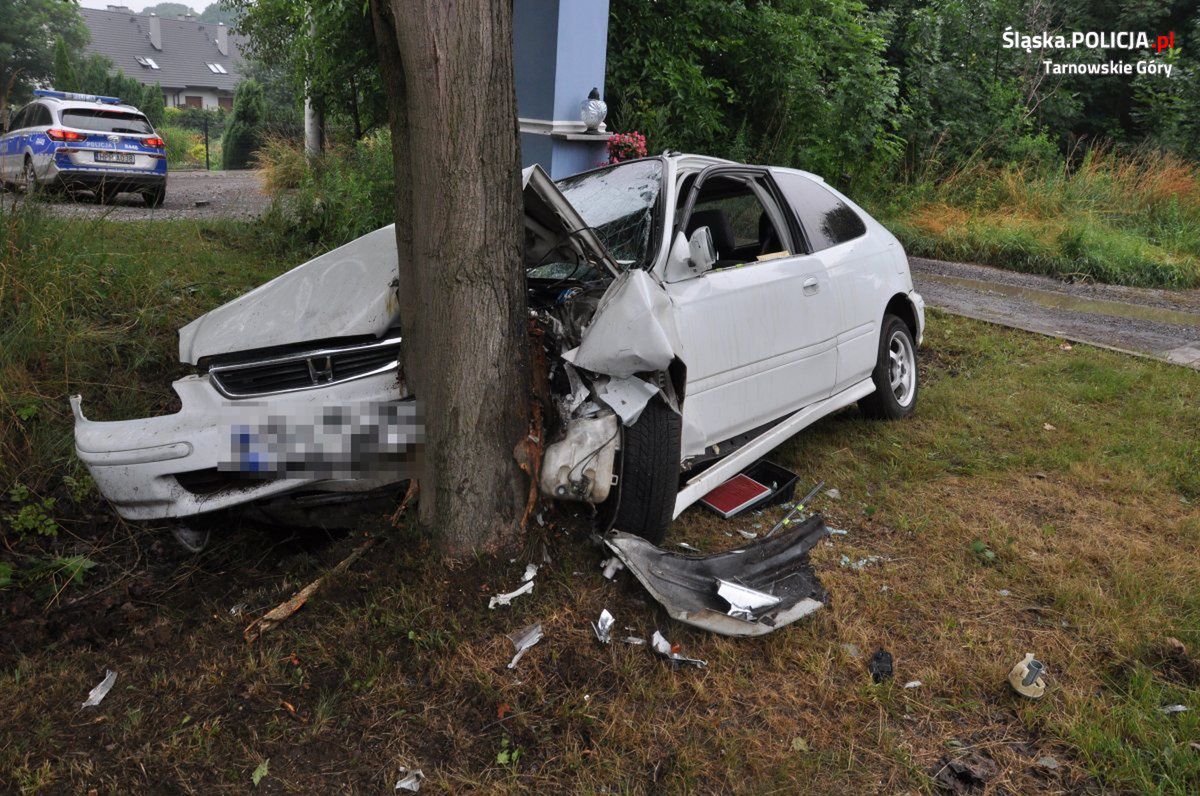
x=190 y=194
x=1164 y=324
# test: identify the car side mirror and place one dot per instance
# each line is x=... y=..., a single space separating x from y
x=691 y=257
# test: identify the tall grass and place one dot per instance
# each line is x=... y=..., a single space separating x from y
x=1123 y=218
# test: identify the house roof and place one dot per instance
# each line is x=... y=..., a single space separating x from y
x=188 y=46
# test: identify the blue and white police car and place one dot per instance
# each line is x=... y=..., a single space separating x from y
x=75 y=141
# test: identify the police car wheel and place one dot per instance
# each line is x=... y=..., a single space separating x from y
x=154 y=197
x=31 y=180
x=105 y=194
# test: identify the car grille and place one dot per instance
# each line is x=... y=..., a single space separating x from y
x=305 y=370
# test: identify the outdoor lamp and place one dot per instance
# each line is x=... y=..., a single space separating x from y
x=593 y=110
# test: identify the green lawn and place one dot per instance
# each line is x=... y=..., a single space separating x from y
x=1078 y=469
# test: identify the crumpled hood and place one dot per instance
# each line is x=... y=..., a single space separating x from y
x=352 y=290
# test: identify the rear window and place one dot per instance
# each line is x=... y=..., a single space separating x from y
x=106 y=121
x=826 y=219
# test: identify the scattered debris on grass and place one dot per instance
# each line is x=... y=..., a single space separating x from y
x=834 y=493
x=913 y=684
x=687 y=546
x=852 y=650
x=861 y=563
x=101 y=690
x=838 y=532
x=522 y=640
x=671 y=652
x=800 y=745
x=1167 y=710
x=1027 y=677
x=744 y=602
x=531 y=571
x=636 y=641
x=410 y=780
x=260 y=771
x=1048 y=763
x=611 y=566
x=965 y=774
x=603 y=627
x=281 y=612
x=880 y=666
x=505 y=599
x=796 y=509
x=1049 y=427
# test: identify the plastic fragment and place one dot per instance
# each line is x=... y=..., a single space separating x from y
x=603 y=627
x=1004 y=592
x=913 y=684
x=1027 y=677
x=636 y=641
x=838 y=532
x=687 y=546
x=531 y=570
x=1167 y=710
x=1048 y=762
x=505 y=599
x=834 y=493
x=101 y=690
x=861 y=563
x=880 y=666
x=611 y=566
x=664 y=648
x=748 y=534
x=410 y=780
x=522 y=640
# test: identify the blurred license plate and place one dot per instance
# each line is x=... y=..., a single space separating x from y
x=114 y=157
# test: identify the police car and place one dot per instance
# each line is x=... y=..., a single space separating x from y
x=75 y=141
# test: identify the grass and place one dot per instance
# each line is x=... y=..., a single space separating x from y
x=1093 y=522
x=1123 y=219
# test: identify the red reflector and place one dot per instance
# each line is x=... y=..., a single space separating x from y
x=155 y=142
x=65 y=135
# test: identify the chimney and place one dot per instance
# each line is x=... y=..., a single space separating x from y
x=223 y=38
x=155 y=31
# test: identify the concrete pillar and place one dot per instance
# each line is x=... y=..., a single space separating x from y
x=559 y=52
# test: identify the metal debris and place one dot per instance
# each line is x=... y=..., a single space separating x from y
x=1167 y=710
x=744 y=602
x=100 y=691
x=522 y=640
x=636 y=641
x=410 y=780
x=531 y=570
x=880 y=666
x=1027 y=678
x=664 y=648
x=505 y=599
x=611 y=566
x=687 y=546
x=748 y=534
x=603 y=627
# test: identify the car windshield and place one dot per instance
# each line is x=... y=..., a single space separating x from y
x=619 y=204
x=106 y=121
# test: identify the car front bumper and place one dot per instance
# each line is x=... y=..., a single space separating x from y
x=138 y=464
x=919 y=305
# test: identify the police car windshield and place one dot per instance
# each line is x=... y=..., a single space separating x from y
x=106 y=121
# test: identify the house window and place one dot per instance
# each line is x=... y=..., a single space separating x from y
x=216 y=69
x=192 y=101
x=226 y=103
x=150 y=62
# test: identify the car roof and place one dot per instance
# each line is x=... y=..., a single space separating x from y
x=64 y=104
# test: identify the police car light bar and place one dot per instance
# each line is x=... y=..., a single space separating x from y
x=71 y=95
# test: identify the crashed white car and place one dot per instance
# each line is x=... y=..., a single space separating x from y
x=696 y=313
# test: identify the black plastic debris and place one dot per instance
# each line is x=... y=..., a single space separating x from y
x=880 y=666
x=777 y=485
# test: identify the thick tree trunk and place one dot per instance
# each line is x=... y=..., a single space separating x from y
x=449 y=74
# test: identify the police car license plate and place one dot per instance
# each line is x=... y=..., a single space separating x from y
x=114 y=157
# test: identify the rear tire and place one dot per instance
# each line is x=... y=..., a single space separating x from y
x=895 y=374
x=29 y=177
x=154 y=197
x=644 y=499
x=105 y=194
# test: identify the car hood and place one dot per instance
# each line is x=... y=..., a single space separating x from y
x=352 y=290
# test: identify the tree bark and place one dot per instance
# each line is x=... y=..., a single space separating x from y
x=449 y=74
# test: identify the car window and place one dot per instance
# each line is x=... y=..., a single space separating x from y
x=41 y=117
x=619 y=203
x=742 y=212
x=826 y=219
x=106 y=121
x=741 y=227
x=18 y=122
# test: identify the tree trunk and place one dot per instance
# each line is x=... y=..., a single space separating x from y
x=452 y=104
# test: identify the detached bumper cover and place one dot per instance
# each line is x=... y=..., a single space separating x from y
x=136 y=463
x=775 y=569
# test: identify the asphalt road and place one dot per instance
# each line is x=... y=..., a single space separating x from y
x=190 y=194
x=1163 y=324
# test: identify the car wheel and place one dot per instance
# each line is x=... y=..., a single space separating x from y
x=648 y=475
x=895 y=374
x=154 y=197
x=30 y=177
x=105 y=194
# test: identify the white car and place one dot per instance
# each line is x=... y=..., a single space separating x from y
x=696 y=314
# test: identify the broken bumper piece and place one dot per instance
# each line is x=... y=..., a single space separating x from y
x=748 y=591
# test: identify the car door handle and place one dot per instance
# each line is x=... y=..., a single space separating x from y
x=811 y=286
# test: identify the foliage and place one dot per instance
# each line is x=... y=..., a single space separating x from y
x=626 y=146
x=340 y=196
x=27 y=44
x=242 y=133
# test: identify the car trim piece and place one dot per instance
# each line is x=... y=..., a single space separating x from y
x=317 y=363
x=719 y=473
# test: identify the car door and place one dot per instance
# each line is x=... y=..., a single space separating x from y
x=837 y=235
x=10 y=147
x=758 y=336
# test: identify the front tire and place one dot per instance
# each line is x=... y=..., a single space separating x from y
x=644 y=501
x=895 y=373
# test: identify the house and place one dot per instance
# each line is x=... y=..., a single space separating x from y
x=198 y=64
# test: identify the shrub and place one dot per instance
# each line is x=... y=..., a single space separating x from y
x=181 y=145
x=243 y=130
x=282 y=162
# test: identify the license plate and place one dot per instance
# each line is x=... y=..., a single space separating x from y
x=114 y=157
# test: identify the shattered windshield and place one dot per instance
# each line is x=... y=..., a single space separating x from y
x=619 y=204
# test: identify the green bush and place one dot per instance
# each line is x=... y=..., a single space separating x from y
x=180 y=146
x=243 y=131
